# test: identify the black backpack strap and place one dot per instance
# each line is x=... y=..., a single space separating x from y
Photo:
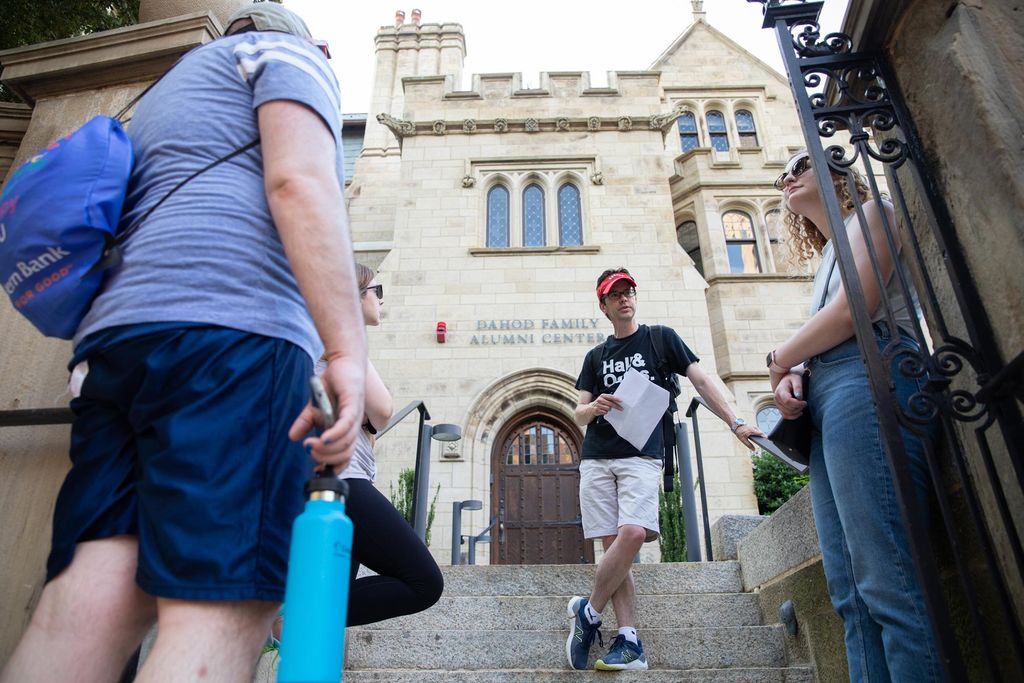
x=668 y=429
x=112 y=248
x=595 y=359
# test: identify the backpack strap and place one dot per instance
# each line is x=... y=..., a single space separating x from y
x=112 y=248
x=668 y=430
x=595 y=359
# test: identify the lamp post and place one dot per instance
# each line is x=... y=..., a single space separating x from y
x=457 y=507
x=421 y=488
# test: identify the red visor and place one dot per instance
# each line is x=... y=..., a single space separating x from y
x=606 y=284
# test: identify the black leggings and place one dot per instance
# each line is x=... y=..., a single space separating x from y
x=408 y=579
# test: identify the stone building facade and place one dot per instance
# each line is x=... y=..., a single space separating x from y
x=493 y=210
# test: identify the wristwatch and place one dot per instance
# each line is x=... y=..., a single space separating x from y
x=736 y=424
x=773 y=366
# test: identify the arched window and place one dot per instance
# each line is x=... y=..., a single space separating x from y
x=745 y=128
x=533 y=216
x=740 y=242
x=767 y=417
x=539 y=443
x=717 y=131
x=686 y=234
x=688 y=135
x=777 y=239
x=497 y=217
x=570 y=220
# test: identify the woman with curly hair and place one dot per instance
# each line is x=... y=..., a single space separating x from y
x=864 y=545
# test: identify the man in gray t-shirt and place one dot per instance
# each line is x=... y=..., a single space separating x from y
x=194 y=362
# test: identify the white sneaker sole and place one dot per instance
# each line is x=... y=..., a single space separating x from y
x=635 y=665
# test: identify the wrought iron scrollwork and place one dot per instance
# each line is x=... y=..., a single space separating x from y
x=854 y=118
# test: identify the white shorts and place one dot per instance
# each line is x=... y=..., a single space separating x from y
x=617 y=491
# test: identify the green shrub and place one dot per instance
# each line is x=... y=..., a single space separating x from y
x=402 y=500
x=774 y=482
x=673 y=526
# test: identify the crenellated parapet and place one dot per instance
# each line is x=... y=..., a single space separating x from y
x=638 y=86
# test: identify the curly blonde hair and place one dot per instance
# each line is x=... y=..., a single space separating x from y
x=805 y=240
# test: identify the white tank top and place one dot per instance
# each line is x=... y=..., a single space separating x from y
x=362 y=465
x=829 y=270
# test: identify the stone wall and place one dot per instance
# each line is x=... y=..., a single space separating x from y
x=69 y=81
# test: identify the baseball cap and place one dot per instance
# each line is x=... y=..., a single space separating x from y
x=270 y=16
x=606 y=284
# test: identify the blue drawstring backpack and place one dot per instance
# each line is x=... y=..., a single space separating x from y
x=59 y=215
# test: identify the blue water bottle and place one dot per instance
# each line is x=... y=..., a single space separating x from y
x=316 y=593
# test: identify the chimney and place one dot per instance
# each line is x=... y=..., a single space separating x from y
x=416 y=15
x=399 y=18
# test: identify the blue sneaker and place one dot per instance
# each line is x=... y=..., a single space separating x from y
x=581 y=635
x=623 y=655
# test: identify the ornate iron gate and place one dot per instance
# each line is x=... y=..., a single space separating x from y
x=970 y=399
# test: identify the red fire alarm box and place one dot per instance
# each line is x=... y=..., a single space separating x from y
x=442 y=332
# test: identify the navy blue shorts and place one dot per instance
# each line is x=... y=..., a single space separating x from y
x=180 y=438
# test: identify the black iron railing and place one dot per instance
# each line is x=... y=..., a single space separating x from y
x=421 y=478
x=970 y=393
x=35 y=417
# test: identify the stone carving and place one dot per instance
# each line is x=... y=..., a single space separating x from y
x=500 y=125
x=400 y=127
x=468 y=181
x=662 y=121
x=594 y=123
x=440 y=127
x=469 y=126
x=562 y=123
x=625 y=123
x=532 y=125
x=597 y=178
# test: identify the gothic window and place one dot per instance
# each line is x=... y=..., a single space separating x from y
x=688 y=135
x=570 y=220
x=745 y=128
x=767 y=417
x=740 y=243
x=497 y=217
x=686 y=234
x=533 y=216
x=776 y=238
x=717 y=131
x=539 y=443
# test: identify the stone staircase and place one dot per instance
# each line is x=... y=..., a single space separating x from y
x=508 y=624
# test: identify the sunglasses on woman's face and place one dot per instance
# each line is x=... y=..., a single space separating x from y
x=797 y=170
x=378 y=290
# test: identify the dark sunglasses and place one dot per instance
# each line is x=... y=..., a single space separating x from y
x=322 y=46
x=376 y=289
x=798 y=169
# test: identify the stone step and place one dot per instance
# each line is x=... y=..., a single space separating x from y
x=548 y=612
x=577 y=579
x=452 y=649
x=743 y=675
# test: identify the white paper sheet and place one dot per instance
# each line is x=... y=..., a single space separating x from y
x=643 y=405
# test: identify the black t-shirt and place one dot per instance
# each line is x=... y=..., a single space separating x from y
x=617 y=357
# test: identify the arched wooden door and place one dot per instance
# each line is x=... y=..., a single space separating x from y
x=536 y=492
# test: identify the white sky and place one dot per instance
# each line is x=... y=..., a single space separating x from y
x=531 y=36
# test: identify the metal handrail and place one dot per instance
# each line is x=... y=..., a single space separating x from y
x=479 y=538
x=691 y=412
x=421 y=470
x=36 y=417
x=401 y=415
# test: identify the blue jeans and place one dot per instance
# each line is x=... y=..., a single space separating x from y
x=865 y=549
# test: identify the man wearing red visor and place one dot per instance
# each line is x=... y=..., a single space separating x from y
x=619 y=483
